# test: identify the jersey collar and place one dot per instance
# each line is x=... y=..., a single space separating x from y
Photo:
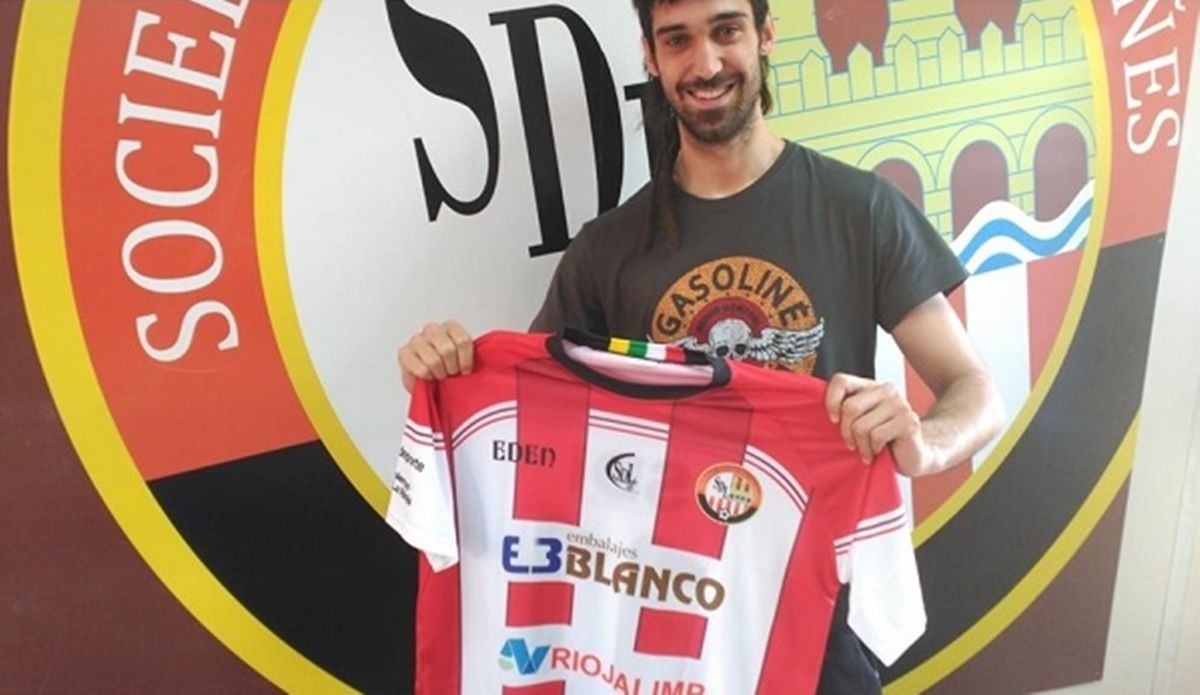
x=556 y=346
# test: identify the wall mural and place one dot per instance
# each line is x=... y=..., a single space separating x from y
x=227 y=214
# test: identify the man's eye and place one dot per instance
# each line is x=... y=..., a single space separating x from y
x=728 y=31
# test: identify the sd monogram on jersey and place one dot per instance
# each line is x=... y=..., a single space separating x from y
x=595 y=522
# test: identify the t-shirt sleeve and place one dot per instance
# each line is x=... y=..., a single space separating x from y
x=912 y=262
x=421 y=506
x=876 y=559
x=572 y=299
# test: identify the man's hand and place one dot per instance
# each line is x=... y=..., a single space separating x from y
x=438 y=351
x=966 y=414
x=872 y=415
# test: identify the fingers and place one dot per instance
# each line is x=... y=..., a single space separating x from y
x=840 y=387
x=445 y=352
x=427 y=354
x=854 y=410
x=463 y=344
x=871 y=415
x=867 y=432
x=440 y=350
x=882 y=426
x=419 y=361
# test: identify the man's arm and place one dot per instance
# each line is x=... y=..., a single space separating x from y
x=968 y=411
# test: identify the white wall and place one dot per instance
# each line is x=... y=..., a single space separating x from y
x=1154 y=640
x=1185 y=677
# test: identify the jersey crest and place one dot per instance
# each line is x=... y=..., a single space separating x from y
x=728 y=493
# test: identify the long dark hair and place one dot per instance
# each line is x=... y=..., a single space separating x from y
x=662 y=127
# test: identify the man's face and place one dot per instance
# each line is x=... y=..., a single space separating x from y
x=707 y=55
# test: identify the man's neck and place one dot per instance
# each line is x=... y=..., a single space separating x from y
x=719 y=171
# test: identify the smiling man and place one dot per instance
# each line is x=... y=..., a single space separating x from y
x=750 y=247
x=717 y=101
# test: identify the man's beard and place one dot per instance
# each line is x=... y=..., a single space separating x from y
x=719 y=126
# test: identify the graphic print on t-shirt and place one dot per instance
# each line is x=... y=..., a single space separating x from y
x=742 y=308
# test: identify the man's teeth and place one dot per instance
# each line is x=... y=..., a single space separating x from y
x=711 y=93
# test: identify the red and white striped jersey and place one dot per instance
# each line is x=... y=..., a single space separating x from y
x=593 y=522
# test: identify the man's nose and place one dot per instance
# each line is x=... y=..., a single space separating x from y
x=707 y=61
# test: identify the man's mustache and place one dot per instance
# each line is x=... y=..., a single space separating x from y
x=717 y=81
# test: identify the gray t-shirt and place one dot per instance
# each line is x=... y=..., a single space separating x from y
x=793 y=272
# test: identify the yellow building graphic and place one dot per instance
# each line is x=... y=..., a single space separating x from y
x=931 y=97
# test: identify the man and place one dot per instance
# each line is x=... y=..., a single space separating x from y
x=755 y=248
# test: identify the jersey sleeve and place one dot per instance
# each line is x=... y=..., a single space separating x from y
x=912 y=262
x=876 y=559
x=421 y=506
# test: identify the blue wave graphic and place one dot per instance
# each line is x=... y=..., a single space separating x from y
x=1011 y=229
x=1000 y=260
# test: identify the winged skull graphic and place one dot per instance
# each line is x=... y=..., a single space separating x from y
x=734 y=339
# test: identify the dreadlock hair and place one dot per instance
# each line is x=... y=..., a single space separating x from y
x=662 y=127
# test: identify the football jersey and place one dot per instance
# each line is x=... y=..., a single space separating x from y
x=593 y=522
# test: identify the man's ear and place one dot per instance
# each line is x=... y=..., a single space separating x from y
x=648 y=58
x=766 y=39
